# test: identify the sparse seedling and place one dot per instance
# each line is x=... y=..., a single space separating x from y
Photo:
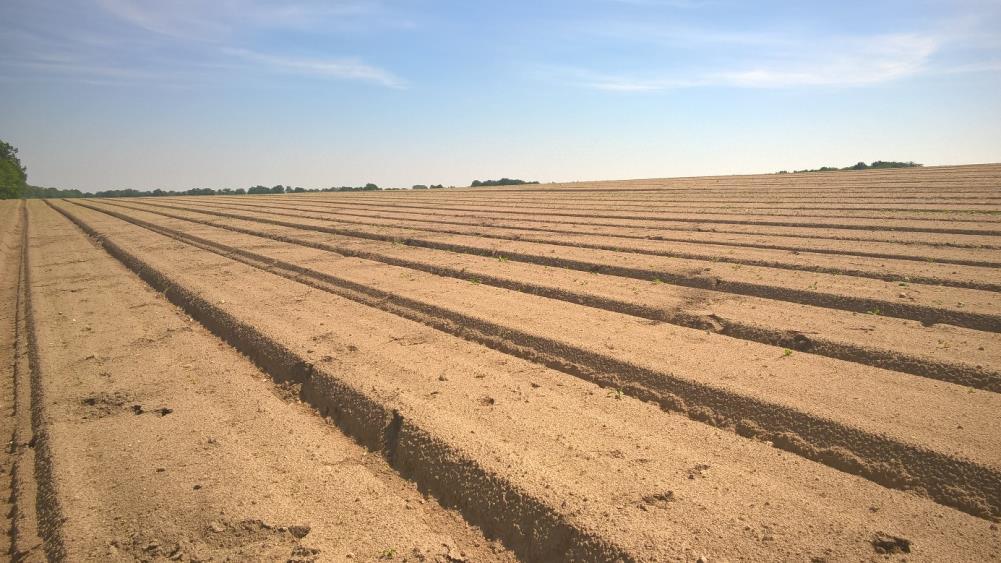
x=615 y=394
x=387 y=553
x=786 y=353
x=874 y=311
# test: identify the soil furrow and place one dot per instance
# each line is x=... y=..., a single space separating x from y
x=797 y=287
x=37 y=512
x=659 y=452
x=890 y=269
x=940 y=227
x=22 y=542
x=898 y=252
x=892 y=462
x=272 y=480
x=534 y=529
x=916 y=351
x=656 y=229
x=959 y=215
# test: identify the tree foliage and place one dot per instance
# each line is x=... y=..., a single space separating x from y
x=863 y=166
x=501 y=182
x=39 y=192
x=13 y=175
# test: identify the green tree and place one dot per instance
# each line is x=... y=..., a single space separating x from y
x=13 y=175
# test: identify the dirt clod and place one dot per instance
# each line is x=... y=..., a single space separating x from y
x=698 y=471
x=102 y=404
x=887 y=544
x=659 y=500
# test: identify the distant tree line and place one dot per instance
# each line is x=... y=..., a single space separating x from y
x=501 y=182
x=33 y=192
x=860 y=166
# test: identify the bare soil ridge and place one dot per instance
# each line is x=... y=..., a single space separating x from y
x=891 y=268
x=638 y=517
x=952 y=357
x=889 y=462
x=339 y=377
x=846 y=293
x=212 y=462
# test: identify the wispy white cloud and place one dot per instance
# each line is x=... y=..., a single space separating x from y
x=343 y=68
x=173 y=19
x=176 y=40
x=220 y=19
x=680 y=49
x=853 y=61
x=846 y=62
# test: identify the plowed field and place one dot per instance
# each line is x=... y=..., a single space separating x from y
x=784 y=367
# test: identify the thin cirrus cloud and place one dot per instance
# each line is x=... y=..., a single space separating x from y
x=215 y=21
x=674 y=49
x=190 y=42
x=344 y=68
x=788 y=63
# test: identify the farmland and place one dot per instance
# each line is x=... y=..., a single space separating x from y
x=773 y=367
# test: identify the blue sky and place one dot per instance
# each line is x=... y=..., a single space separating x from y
x=230 y=93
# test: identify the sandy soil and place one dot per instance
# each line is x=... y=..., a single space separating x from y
x=900 y=251
x=908 y=267
x=650 y=228
x=164 y=443
x=510 y=373
x=667 y=361
x=943 y=352
x=927 y=303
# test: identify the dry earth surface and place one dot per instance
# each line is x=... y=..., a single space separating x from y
x=800 y=367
